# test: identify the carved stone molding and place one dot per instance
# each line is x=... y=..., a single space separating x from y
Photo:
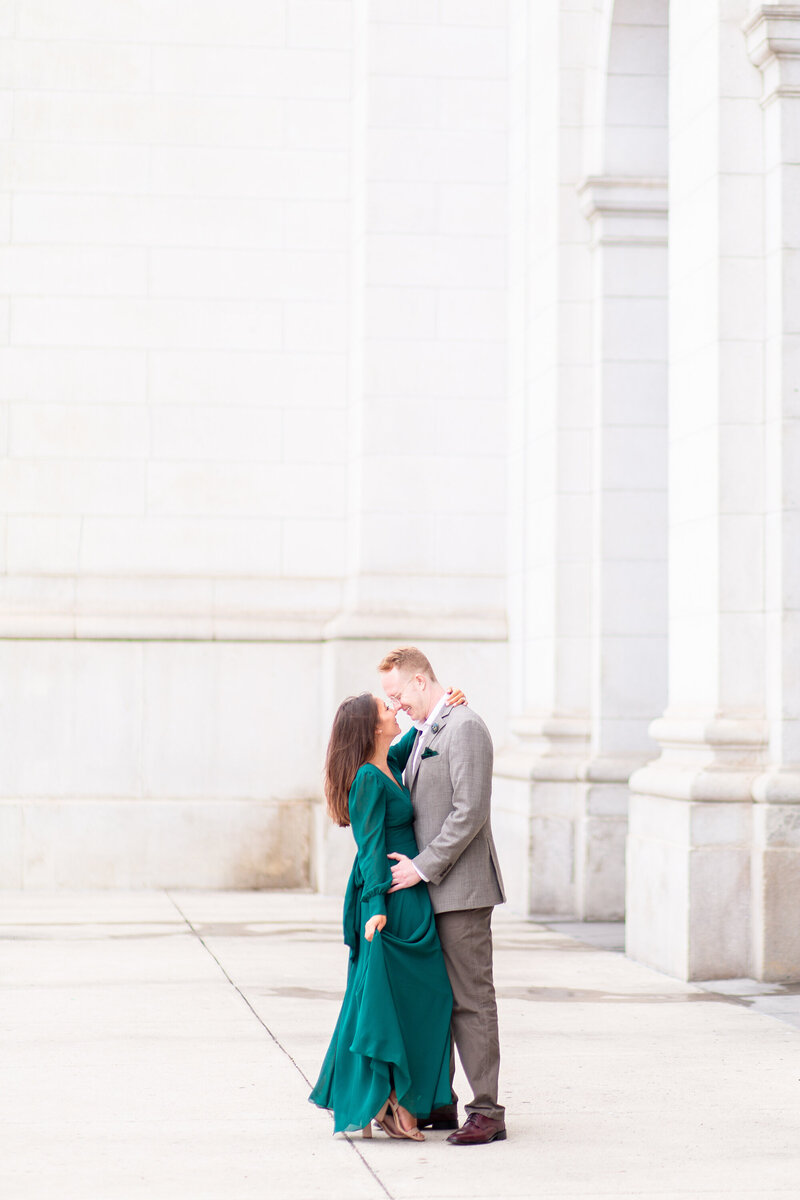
x=772 y=34
x=625 y=211
x=778 y=786
x=150 y=608
x=558 y=750
x=717 y=759
x=546 y=747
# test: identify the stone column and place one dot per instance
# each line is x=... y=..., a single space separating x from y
x=538 y=791
x=628 y=218
x=588 y=451
x=773 y=43
x=689 y=846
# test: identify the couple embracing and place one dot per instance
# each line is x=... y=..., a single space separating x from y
x=417 y=912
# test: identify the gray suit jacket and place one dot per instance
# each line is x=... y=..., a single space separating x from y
x=451 y=791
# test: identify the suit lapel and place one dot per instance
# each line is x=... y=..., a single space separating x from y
x=440 y=722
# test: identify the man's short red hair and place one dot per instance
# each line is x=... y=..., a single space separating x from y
x=407 y=658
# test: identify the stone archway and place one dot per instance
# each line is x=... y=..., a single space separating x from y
x=625 y=200
x=588 y=462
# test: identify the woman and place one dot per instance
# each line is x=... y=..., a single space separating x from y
x=389 y=1058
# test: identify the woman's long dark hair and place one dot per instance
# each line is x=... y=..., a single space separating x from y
x=352 y=743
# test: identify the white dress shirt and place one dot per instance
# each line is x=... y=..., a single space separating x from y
x=422 y=726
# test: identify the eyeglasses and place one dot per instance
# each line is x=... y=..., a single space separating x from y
x=396 y=702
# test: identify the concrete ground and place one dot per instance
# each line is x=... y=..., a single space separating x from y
x=162 y=1046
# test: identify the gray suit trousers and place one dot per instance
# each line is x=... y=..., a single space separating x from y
x=466 y=937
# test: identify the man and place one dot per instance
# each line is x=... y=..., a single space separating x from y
x=449 y=776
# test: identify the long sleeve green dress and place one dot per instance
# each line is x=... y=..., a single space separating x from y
x=394 y=1023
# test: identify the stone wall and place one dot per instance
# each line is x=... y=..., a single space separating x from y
x=251 y=408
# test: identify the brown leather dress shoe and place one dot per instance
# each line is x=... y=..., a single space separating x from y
x=478 y=1130
x=440 y=1118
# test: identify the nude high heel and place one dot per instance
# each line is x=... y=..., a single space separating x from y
x=414 y=1133
x=386 y=1122
x=389 y=1121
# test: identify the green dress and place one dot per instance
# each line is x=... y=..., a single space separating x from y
x=394 y=1023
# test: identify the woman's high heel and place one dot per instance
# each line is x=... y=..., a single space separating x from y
x=388 y=1119
x=414 y=1133
x=386 y=1122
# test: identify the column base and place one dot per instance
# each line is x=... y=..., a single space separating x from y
x=776 y=892
x=713 y=885
x=688 y=886
x=560 y=821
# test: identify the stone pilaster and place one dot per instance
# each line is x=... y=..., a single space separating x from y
x=628 y=222
x=772 y=34
x=689 y=847
x=540 y=797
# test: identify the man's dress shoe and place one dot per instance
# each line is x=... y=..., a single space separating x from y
x=478 y=1130
x=440 y=1118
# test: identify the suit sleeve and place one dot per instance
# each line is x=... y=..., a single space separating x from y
x=400 y=752
x=470 y=758
x=367 y=803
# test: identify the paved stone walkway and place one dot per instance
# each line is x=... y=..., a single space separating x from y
x=161 y=1046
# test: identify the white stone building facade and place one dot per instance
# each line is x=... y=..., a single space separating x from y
x=252 y=388
x=654 y=382
x=331 y=324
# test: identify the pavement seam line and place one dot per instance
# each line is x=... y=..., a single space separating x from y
x=266 y=1027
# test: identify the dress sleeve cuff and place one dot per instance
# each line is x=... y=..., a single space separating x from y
x=376 y=905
